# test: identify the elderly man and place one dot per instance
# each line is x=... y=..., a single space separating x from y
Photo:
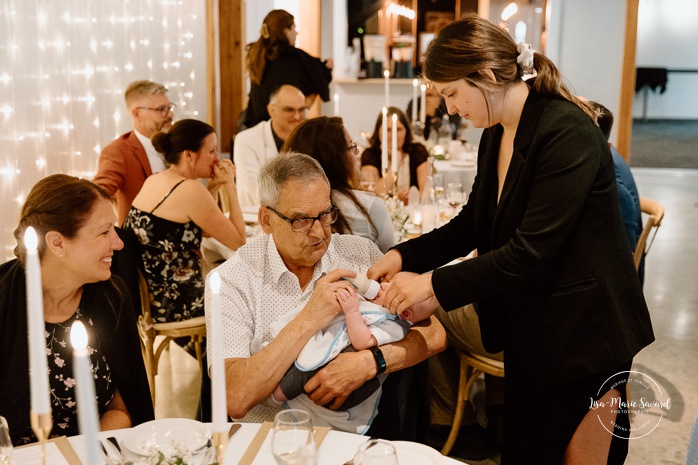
x=297 y=265
x=128 y=160
x=255 y=146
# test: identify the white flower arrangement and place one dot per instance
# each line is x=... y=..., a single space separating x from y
x=398 y=215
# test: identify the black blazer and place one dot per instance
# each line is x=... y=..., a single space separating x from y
x=553 y=281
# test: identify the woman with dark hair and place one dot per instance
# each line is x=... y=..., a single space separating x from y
x=173 y=210
x=74 y=221
x=273 y=60
x=412 y=157
x=554 y=283
x=360 y=213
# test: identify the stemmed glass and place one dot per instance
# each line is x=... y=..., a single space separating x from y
x=368 y=180
x=5 y=443
x=455 y=195
x=376 y=452
x=293 y=440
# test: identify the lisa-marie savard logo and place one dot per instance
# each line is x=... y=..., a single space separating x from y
x=645 y=404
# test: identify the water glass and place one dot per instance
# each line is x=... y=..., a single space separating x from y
x=368 y=180
x=455 y=195
x=5 y=443
x=293 y=439
x=376 y=452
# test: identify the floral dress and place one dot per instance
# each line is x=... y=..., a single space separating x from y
x=59 y=352
x=171 y=254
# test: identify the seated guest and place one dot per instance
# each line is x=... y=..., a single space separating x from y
x=435 y=110
x=412 y=162
x=173 y=210
x=255 y=146
x=289 y=267
x=361 y=213
x=628 y=196
x=127 y=161
x=74 y=221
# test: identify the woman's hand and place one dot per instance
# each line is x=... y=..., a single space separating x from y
x=386 y=267
x=411 y=290
x=223 y=173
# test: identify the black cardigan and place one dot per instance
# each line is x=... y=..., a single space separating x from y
x=117 y=334
x=553 y=281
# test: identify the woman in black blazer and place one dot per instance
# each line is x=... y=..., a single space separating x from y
x=553 y=281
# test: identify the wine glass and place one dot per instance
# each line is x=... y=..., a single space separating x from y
x=376 y=452
x=455 y=195
x=293 y=440
x=5 y=443
x=368 y=180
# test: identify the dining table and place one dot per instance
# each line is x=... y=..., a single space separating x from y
x=249 y=445
x=457 y=170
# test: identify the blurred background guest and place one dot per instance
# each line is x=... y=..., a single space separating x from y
x=360 y=213
x=173 y=210
x=74 y=221
x=255 y=146
x=435 y=110
x=128 y=160
x=274 y=60
x=412 y=162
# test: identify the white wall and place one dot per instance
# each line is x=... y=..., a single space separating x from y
x=585 y=41
x=667 y=37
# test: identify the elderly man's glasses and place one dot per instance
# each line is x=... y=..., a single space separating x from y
x=304 y=224
x=163 y=110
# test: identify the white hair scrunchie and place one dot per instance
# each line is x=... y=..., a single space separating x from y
x=525 y=58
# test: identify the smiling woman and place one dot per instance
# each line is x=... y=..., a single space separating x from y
x=172 y=211
x=74 y=220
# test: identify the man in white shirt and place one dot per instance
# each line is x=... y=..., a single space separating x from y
x=255 y=146
x=128 y=160
x=298 y=264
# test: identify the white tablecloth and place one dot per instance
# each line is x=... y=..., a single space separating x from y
x=336 y=449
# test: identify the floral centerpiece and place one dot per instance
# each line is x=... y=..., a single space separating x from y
x=398 y=215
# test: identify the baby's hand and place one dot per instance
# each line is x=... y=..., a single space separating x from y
x=348 y=299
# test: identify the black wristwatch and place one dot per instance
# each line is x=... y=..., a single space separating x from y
x=380 y=360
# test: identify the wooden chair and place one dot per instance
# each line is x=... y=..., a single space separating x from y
x=655 y=212
x=149 y=330
x=471 y=367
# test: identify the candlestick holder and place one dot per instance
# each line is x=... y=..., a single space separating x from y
x=220 y=441
x=42 y=424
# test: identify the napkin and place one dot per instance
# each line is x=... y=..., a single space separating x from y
x=58 y=452
x=256 y=444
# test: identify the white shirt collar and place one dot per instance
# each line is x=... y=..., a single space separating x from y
x=156 y=160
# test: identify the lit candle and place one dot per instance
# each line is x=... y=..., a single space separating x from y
x=336 y=104
x=386 y=78
x=423 y=103
x=384 y=142
x=38 y=368
x=415 y=84
x=219 y=406
x=85 y=393
x=393 y=146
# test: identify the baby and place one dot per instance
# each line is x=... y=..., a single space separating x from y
x=360 y=336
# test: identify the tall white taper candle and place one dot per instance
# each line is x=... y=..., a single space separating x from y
x=393 y=146
x=386 y=79
x=384 y=142
x=38 y=367
x=336 y=104
x=415 y=85
x=85 y=393
x=219 y=406
x=423 y=107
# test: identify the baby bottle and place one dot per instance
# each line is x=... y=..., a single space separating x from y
x=364 y=286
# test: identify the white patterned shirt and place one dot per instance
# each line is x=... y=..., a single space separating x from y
x=257 y=289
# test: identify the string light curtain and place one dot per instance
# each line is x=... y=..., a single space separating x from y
x=64 y=65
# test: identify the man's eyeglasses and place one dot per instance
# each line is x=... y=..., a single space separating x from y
x=292 y=111
x=164 y=110
x=304 y=224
